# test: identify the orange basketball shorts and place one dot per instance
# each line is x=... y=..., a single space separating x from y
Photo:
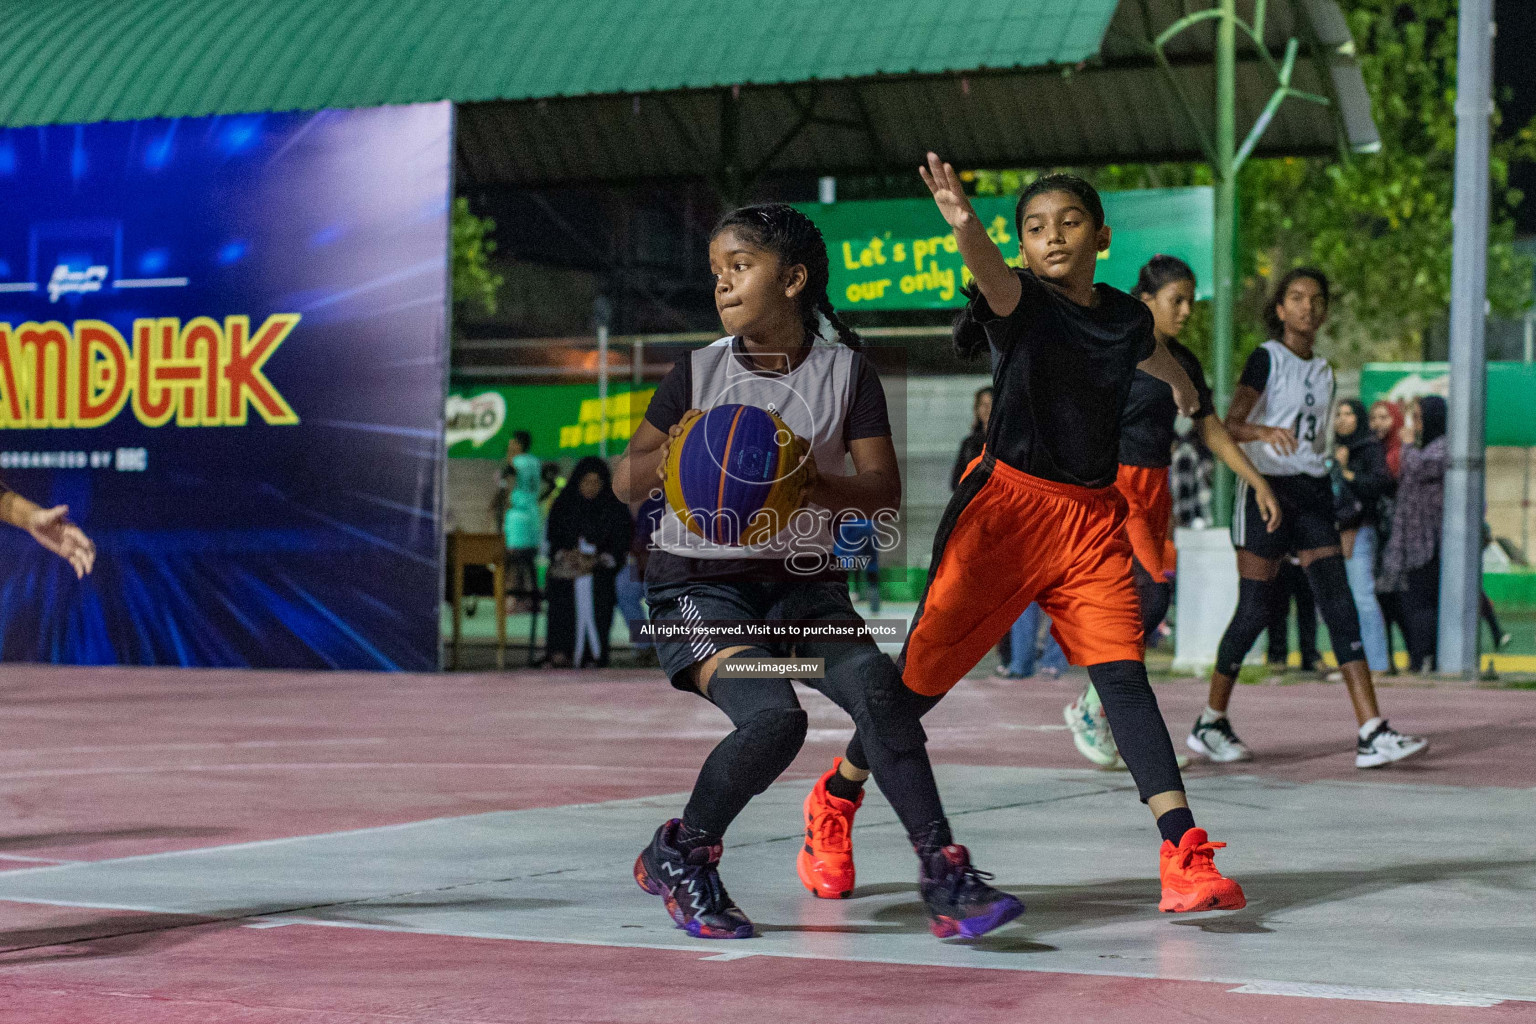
x=1151 y=510
x=1008 y=539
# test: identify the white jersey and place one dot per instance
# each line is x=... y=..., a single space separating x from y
x=812 y=400
x=1297 y=398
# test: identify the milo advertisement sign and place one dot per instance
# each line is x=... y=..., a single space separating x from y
x=565 y=420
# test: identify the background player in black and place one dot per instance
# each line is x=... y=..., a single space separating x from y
x=1166 y=285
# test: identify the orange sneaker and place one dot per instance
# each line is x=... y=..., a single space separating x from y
x=1190 y=878
x=825 y=863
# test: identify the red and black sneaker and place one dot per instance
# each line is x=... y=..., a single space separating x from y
x=958 y=898
x=690 y=886
x=825 y=861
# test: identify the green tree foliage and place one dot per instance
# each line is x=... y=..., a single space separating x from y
x=475 y=285
x=1379 y=224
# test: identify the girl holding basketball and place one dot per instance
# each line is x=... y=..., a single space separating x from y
x=788 y=353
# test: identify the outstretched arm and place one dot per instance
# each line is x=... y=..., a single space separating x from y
x=51 y=529
x=998 y=283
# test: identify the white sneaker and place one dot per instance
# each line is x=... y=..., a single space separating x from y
x=1090 y=732
x=1387 y=745
x=1217 y=741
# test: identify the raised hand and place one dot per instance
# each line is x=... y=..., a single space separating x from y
x=50 y=528
x=948 y=193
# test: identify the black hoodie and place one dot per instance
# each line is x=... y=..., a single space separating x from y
x=1368 y=462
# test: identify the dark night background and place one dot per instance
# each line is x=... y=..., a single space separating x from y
x=1514 y=51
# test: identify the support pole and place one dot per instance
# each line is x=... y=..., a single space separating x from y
x=1461 y=561
x=1224 y=245
x=602 y=314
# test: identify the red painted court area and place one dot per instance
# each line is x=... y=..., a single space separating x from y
x=98 y=765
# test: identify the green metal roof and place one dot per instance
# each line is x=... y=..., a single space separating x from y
x=71 y=61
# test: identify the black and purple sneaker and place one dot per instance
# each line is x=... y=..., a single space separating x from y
x=958 y=898
x=691 y=887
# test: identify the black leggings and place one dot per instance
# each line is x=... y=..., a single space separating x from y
x=1485 y=609
x=1137 y=724
x=1421 y=615
x=770 y=729
x=1290 y=584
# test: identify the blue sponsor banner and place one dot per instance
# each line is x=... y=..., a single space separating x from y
x=223 y=344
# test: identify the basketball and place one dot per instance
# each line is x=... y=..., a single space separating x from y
x=734 y=475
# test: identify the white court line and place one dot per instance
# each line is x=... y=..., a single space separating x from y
x=54 y=773
x=1308 y=990
x=231 y=745
x=17 y=286
x=38 y=860
x=1304 y=990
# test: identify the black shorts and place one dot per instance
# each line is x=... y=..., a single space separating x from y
x=1306 y=517
x=746 y=601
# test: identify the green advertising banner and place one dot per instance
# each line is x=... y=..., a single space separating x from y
x=899 y=253
x=566 y=420
x=1510 y=418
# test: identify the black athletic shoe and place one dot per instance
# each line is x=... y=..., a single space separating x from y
x=958 y=898
x=691 y=887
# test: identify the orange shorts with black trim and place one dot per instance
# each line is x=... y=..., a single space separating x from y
x=1008 y=539
x=1151 y=511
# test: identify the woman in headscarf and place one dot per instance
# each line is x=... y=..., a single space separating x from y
x=1387 y=425
x=589 y=537
x=1360 y=478
x=1411 y=562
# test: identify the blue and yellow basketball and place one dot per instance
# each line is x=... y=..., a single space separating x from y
x=734 y=475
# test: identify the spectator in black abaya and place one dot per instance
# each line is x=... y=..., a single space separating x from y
x=589 y=532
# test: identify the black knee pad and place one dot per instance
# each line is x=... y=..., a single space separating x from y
x=1336 y=603
x=1248 y=621
x=892 y=713
x=767 y=743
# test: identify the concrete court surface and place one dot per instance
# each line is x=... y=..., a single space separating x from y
x=259 y=847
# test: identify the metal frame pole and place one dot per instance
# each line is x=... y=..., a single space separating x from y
x=1461 y=556
x=1224 y=245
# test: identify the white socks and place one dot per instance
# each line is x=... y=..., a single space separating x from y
x=1370 y=727
x=1210 y=715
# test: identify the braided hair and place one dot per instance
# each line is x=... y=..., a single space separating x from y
x=795 y=239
